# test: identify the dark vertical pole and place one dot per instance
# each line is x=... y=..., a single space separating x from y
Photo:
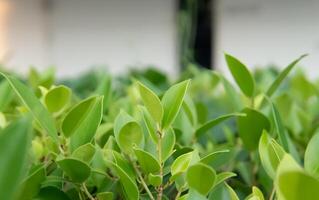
x=196 y=32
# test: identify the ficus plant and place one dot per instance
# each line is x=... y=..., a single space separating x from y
x=141 y=137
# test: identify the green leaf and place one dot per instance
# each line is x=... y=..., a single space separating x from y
x=31 y=185
x=84 y=153
x=6 y=94
x=256 y=195
x=282 y=76
x=215 y=156
x=151 y=102
x=105 y=196
x=182 y=163
x=172 y=102
x=82 y=121
x=14 y=145
x=57 y=98
x=250 y=127
x=311 y=156
x=148 y=163
x=168 y=143
x=105 y=89
x=51 y=193
x=241 y=74
x=271 y=153
x=214 y=122
x=195 y=179
x=296 y=185
x=232 y=193
x=155 y=180
x=223 y=176
x=38 y=111
x=128 y=133
x=128 y=185
x=283 y=138
x=150 y=124
x=77 y=170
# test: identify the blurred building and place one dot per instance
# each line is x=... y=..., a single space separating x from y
x=74 y=35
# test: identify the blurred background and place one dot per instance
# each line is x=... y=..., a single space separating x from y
x=76 y=35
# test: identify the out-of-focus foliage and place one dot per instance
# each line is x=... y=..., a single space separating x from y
x=142 y=136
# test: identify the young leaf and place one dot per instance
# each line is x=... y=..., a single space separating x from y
x=6 y=94
x=251 y=126
x=14 y=145
x=223 y=176
x=155 y=180
x=241 y=74
x=214 y=122
x=148 y=163
x=105 y=89
x=232 y=193
x=168 y=143
x=84 y=153
x=195 y=180
x=280 y=128
x=82 y=121
x=256 y=195
x=128 y=133
x=311 y=156
x=151 y=102
x=128 y=185
x=182 y=163
x=38 y=111
x=282 y=76
x=57 y=98
x=76 y=169
x=150 y=124
x=172 y=102
x=271 y=153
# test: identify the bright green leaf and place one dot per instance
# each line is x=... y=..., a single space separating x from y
x=251 y=126
x=38 y=111
x=282 y=76
x=241 y=74
x=151 y=102
x=155 y=180
x=57 y=98
x=195 y=179
x=271 y=153
x=168 y=143
x=84 y=153
x=82 y=121
x=172 y=102
x=6 y=94
x=128 y=185
x=311 y=156
x=148 y=163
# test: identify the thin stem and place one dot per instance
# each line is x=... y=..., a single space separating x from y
x=87 y=192
x=159 y=149
x=272 y=195
x=142 y=181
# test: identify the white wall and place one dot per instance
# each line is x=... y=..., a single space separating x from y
x=262 y=32
x=77 y=34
